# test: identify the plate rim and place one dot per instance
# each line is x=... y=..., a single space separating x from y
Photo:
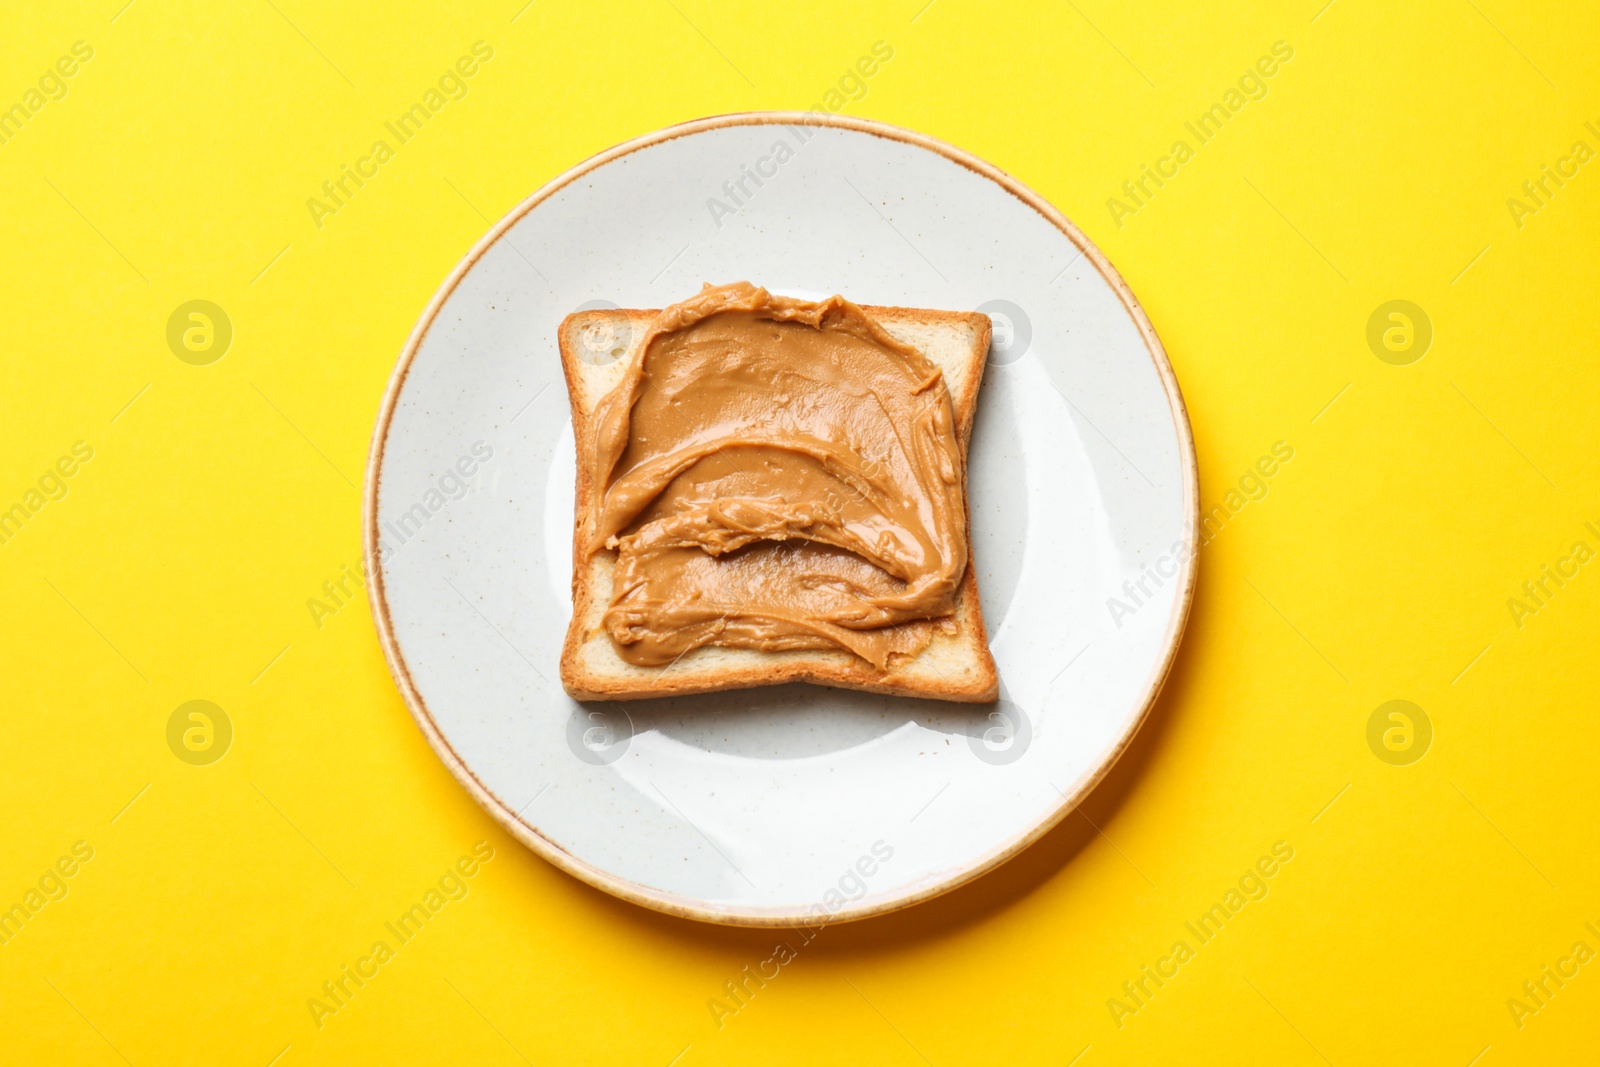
x=689 y=907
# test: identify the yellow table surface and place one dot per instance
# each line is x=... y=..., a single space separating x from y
x=208 y=503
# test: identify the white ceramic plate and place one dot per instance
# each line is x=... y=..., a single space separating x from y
x=768 y=806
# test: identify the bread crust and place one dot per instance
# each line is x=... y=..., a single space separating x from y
x=956 y=667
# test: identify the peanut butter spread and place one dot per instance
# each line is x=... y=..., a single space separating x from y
x=777 y=474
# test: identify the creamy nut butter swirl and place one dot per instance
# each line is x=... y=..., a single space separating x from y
x=777 y=474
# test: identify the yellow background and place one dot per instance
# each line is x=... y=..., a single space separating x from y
x=1378 y=567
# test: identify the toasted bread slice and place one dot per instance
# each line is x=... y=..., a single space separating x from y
x=596 y=349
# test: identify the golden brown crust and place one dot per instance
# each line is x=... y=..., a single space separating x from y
x=958 y=668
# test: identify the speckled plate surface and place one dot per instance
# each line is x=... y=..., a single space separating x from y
x=769 y=806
